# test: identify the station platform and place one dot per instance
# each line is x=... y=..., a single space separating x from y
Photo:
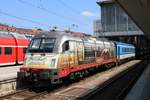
x=141 y=90
x=9 y=72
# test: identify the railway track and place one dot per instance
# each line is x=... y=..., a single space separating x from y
x=24 y=94
x=105 y=91
x=85 y=90
x=7 y=86
x=118 y=89
x=8 y=81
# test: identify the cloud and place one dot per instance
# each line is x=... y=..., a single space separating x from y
x=87 y=13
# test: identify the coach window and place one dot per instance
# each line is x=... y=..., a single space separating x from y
x=65 y=46
x=0 y=50
x=8 y=50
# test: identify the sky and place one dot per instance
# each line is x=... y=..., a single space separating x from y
x=76 y=15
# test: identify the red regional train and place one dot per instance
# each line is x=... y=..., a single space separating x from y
x=12 y=48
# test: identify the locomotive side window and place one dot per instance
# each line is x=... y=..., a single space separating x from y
x=65 y=46
x=0 y=50
x=8 y=50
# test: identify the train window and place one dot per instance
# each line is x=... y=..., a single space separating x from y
x=65 y=46
x=123 y=49
x=35 y=43
x=47 y=45
x=42 y=45
x=132 y=50
x=8 y=50
x=0 y=50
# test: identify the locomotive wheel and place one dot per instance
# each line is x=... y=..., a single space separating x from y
x=72 y=76
x=109 y=65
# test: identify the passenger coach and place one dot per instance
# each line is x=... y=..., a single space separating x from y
x=12 y=48
x=124 y=51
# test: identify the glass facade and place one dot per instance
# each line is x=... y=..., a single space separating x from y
x=114 y=19
x=97 y=26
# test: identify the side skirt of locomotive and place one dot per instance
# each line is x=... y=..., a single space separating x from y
x=77 y=72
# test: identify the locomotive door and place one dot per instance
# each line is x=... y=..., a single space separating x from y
x=68 y=56
x=72 y=53
x=79 y=52
x=64 y=58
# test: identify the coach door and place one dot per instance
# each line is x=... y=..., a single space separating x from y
x=118 y=52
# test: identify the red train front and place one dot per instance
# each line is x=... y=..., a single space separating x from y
x=12 y=48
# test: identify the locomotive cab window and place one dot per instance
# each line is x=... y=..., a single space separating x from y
x=42 y=45
x=47 y=45
x=65 y=46
x=8 y=50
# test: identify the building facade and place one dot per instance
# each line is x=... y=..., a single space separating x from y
x=115 y=22
x=97 y=27
x=118 y=26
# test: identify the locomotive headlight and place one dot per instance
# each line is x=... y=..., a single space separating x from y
x=53 y=62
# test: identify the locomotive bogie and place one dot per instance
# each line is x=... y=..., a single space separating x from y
x=49 y=75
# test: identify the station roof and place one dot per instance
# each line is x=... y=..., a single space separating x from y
x=138 y=10
x=122 y=33
x=102 y=2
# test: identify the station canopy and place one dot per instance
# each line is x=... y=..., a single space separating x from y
x=139 y=11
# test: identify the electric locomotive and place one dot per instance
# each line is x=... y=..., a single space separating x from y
x=55 y=55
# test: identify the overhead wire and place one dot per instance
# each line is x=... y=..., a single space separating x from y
x=75 y=11
x=41 y=4
x=46 y=10
x=75 y=21
x=21 y=18
x=35 y=6
x=68 y=7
